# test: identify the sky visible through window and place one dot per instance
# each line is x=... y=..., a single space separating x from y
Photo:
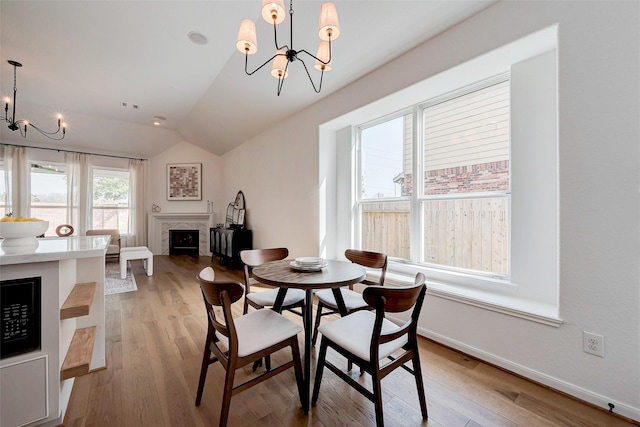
x=45 y=183
x=381 y=150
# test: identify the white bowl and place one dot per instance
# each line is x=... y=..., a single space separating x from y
x=16 y=230
x=20 y=237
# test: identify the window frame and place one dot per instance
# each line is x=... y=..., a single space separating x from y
x=52 y=224
x=533 y=290
x=417 y=199
x=93 y=208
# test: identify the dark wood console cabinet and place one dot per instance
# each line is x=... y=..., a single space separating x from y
x=228 y=242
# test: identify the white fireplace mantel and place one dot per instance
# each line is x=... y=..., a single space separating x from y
x=159 y=224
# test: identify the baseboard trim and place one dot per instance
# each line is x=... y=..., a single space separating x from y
x=562 y=386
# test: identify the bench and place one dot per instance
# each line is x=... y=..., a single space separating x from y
x=136 y=252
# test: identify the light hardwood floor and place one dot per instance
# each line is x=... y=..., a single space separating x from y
x=154 y=348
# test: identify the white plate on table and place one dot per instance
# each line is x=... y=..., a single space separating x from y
x=308 y=267
x=309 y=260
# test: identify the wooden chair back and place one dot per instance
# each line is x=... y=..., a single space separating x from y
x=220 y=294
x=255 y=257
x=370 y=260
x=212 y=291
x=395 y=300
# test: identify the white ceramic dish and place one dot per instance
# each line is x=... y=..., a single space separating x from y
x=20 y=237
x=299 y=267
x=308 y=260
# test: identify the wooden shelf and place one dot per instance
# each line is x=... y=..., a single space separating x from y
x=78 y=358
x=79 y=301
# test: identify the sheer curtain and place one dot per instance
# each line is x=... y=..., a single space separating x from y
x=79 y=196
x=137 y=229
x=17 y=180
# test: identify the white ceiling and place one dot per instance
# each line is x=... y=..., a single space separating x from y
x=84 y=58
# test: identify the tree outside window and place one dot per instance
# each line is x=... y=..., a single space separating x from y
x=110 y=209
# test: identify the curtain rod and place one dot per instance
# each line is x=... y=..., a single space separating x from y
x=71 y=151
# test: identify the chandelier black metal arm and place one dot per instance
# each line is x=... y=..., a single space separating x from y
x=246 y=62
x=291 y=55
x=318 y=89
x=21 y=125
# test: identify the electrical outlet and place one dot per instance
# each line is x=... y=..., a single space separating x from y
x=593 y=343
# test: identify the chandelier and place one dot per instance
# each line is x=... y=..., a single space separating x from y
x=21 y=125
x=273 y=12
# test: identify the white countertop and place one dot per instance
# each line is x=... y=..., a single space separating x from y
x=59 y=248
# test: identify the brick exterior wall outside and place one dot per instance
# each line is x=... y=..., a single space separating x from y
x=483 y=177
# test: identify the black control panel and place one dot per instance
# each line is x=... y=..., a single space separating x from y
x=20 y=316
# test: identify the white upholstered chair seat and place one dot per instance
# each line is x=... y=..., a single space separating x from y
x=354 y=332
x=268 y=298
x=352 y=299
x=260 y=329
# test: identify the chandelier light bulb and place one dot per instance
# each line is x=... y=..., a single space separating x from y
x=273 y=10
x=247 y=41
x=328 y=26
x=278 y=69
x=324 y=55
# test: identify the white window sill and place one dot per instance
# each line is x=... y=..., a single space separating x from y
x=511 y=305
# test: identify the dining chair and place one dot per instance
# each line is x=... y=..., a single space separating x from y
x=253 y=257
x=238 y=342
x=369 y=340
x=353 y=300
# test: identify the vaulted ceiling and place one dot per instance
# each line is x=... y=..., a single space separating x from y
x=84 y=59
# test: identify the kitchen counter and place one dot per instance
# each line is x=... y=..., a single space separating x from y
x=40 y=381
x=59 y=248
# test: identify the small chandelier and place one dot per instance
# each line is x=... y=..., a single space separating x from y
x=273 y=12
x=21 y=125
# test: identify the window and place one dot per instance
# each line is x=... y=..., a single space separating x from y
x=456 y=215
x=385 y=186
x=513 y=182
x=49 y=194
x=110 y=207
x=465 y=202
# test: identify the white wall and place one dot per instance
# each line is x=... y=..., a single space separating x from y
x=598 y=59
x=156 y=191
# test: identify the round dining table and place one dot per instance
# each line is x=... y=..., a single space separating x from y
x=333 y=276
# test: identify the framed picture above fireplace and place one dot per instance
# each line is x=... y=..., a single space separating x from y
x=184 y=181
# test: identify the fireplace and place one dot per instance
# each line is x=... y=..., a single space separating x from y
x=184 y=242
x=20 y=303
x=160 y=223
